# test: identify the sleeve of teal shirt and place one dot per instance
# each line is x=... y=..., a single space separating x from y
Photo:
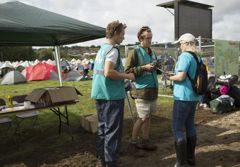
x=183 y=62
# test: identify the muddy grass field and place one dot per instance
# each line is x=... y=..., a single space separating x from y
x=218 y=145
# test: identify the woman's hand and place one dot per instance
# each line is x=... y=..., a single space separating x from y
x=168 y=75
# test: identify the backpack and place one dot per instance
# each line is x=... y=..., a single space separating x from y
x=222 y=104
x=200 y=81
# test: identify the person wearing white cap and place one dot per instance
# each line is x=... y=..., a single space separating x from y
x=186 y=38
x=185 y=101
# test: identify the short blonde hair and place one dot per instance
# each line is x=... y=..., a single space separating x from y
x=114 y=27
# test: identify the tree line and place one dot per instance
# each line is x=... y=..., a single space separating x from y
x=18 y=53
x=8 y=53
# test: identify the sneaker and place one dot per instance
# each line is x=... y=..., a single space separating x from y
x=146 y=145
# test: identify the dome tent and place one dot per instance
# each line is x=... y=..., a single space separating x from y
x=41 y=71
x=6 y=67
x=73 y=76
x=13 y=77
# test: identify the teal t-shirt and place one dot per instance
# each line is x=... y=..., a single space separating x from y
x=183 y=89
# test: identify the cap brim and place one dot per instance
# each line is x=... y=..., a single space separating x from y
x=175 y=42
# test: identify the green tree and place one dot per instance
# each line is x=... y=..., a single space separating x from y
x=45 y=53
x=16 y=53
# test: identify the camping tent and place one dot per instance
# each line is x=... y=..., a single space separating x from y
x=21 y=24
x=5 y=68
x=65 y=65
x=73 y=76
x=6 y=64
x=13 y=77
x=41 y=71
x=25 y=64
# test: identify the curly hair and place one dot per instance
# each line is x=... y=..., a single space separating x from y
x=141 y=30
x=114 y=27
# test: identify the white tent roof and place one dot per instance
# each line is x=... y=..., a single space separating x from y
x=6 y=64
x=26 y=64
x=52 y=62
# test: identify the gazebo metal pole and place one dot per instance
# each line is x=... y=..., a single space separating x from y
x=57 y=58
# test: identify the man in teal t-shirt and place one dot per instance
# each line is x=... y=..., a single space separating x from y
x=109 y=92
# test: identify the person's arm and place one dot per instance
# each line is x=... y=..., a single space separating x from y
x=131 y=65
x=180 y=76
x=184 y=63
x=110 y=72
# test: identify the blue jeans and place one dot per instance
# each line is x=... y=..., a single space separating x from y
x=183 y=119
x=110 y=121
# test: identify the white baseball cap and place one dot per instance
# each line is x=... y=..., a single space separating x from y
x=186 y=37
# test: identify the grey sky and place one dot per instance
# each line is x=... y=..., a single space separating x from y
x=137 y=13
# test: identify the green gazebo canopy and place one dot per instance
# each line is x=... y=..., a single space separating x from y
x=21 y=24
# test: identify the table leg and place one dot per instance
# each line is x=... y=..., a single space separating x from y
x=63 y=119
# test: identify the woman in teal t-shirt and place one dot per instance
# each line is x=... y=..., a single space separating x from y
x=185 y=101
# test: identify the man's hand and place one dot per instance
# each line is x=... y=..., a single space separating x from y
x=131 y=76
x=148 y=67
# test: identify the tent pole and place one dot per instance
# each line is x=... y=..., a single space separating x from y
x=57 y=58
